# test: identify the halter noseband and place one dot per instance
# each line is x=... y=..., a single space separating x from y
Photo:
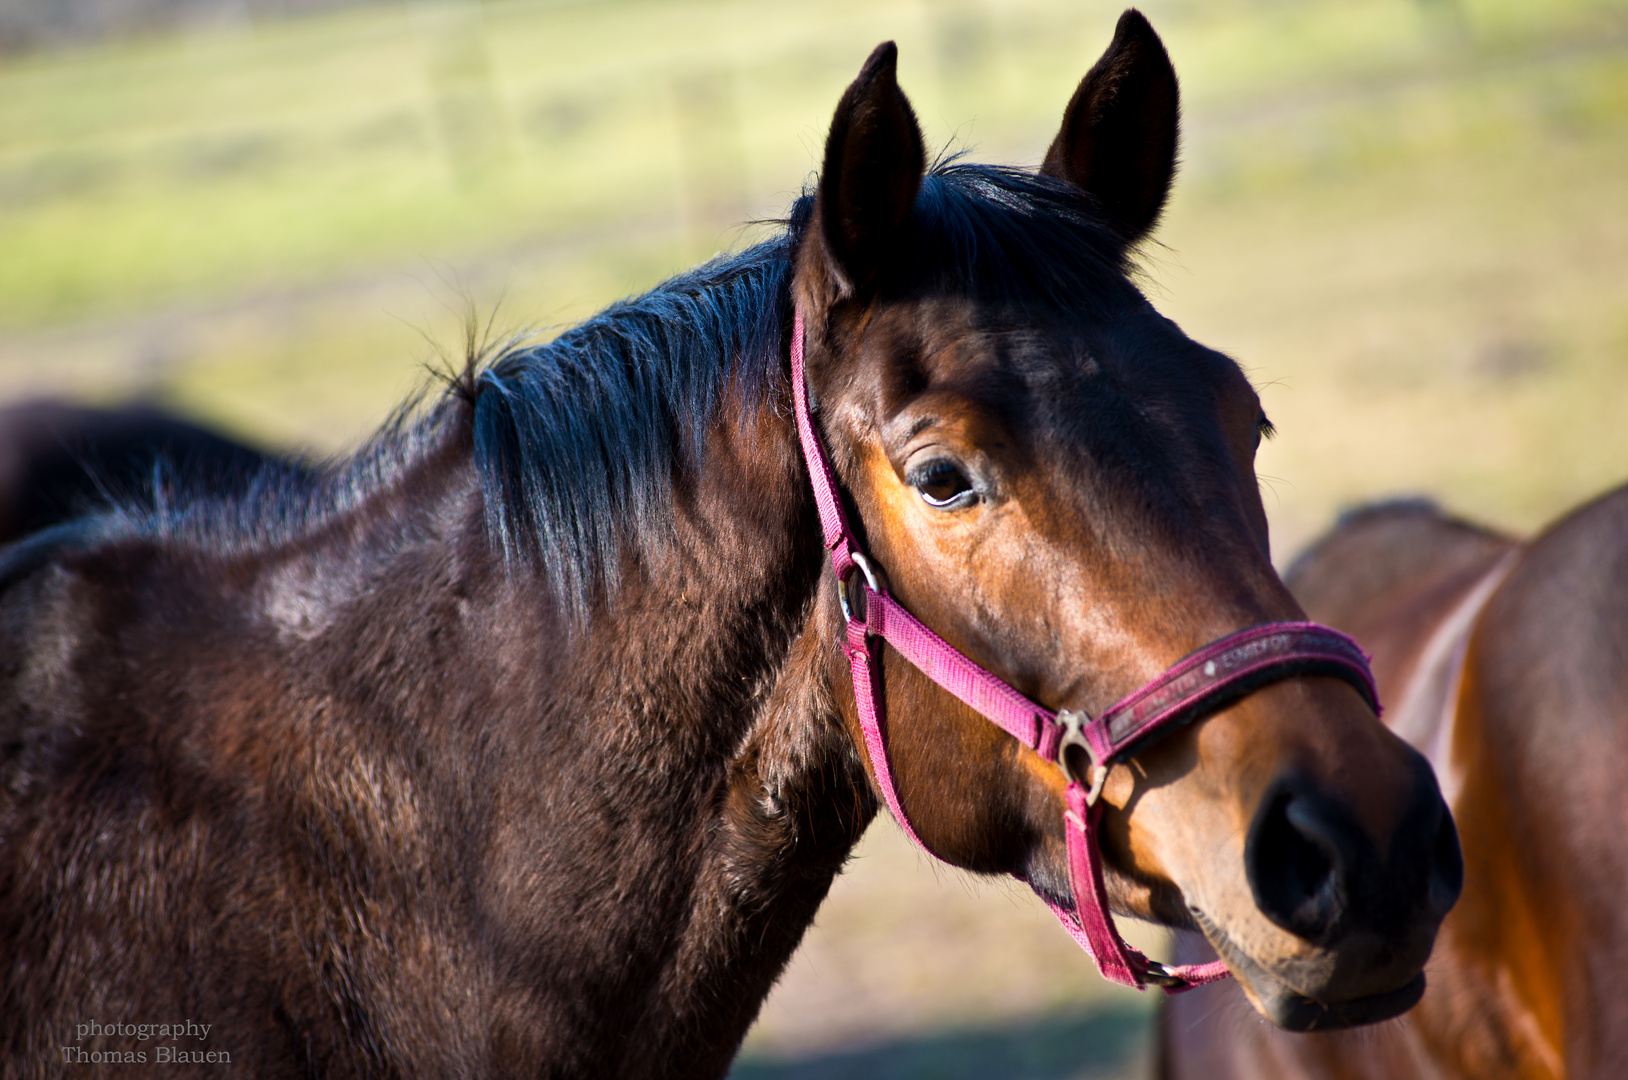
x=1193 y=687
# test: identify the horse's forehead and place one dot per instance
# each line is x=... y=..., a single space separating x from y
x=1142 y=343
x=1092 y=411
x=1038 y=359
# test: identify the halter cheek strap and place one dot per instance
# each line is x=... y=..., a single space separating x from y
x=1082 y=746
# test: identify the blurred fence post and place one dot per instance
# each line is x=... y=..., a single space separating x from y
x=1445 y=20
x=452 y=39
x=711 y=157
x=962 y=30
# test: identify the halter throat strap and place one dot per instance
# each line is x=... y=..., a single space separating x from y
x=1083 y=747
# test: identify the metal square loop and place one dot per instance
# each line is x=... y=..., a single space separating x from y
x=849 y=606
x=1073 y=725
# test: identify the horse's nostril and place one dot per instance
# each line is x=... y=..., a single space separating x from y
x=1297 y=861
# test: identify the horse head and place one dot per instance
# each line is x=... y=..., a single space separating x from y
x=1061 y=484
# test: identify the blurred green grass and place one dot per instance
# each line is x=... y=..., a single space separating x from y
x=171 y=169
x=1408 y=219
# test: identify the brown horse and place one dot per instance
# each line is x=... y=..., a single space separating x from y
x=527 y=744
x=1505 y=663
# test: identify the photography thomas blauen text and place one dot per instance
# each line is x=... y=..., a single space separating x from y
x=166 y=1048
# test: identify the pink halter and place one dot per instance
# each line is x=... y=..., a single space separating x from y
x=1196 y=685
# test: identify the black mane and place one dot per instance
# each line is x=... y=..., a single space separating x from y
x=579 y=441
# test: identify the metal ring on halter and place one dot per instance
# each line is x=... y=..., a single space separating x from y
x=866 y=568
x=1159 y=975
x=1073 y=725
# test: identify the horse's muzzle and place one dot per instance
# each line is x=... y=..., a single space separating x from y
x=1363 y=910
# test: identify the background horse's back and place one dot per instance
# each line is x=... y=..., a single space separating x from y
x=59 y=461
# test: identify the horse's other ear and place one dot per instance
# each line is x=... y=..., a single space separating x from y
x=1118 y=139
x=874 y=163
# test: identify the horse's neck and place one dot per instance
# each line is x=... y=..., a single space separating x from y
x=660 y=798
x=792 y=804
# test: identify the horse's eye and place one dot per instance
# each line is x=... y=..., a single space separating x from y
x=942 y=485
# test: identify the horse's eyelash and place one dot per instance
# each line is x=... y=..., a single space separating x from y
x=1266 y=428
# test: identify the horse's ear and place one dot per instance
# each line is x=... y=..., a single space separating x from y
x=1118 y=139
x=874 y=162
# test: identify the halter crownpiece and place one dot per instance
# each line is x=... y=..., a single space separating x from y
x=1083 y=747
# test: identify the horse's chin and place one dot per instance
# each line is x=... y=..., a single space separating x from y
x=1294 y=1011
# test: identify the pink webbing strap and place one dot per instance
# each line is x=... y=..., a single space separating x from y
x=827 y=496
x=1032 y=725
x=883 y=616
x=1240 y=661
x=1233 y=665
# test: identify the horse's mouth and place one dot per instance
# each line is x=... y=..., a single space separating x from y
x=1293 y=1011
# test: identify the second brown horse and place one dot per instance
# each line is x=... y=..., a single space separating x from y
x=1506 y=663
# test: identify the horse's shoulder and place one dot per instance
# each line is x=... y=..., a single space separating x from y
x=1591 y=543
x=1563 y=612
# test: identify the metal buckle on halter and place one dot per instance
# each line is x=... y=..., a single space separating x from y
x=865 y=567
x=1159 y=975
x=1073 y=725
